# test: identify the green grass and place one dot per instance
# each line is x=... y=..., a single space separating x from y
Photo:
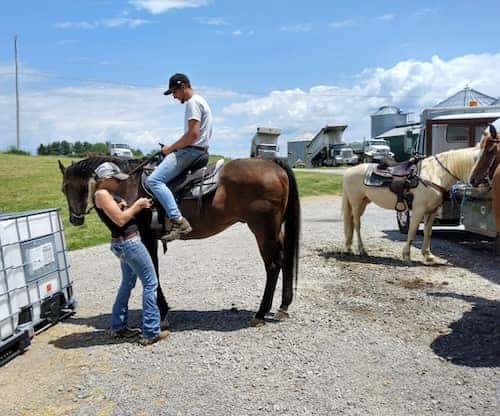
x=312 y=184
x=34 y=182
x=30 y=183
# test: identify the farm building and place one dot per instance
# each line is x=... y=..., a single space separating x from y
x=385 y=119
x=468 y=97
x=297 y=150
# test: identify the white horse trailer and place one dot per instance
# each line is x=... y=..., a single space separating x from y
x=35 y=283
x=444 y=129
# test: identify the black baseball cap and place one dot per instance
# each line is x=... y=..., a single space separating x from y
x=176 y=81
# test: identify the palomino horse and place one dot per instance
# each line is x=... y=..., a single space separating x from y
x=437 y=175
x=261 y=193
x=487 y=168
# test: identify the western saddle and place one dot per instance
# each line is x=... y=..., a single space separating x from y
x=399 y=178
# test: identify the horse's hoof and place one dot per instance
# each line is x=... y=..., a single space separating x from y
x=430 y=260
x=363 y=253
x=256 y=322
x=281 y=315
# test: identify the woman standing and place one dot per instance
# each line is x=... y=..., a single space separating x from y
x=134 y=258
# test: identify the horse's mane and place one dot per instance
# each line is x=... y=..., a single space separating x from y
x=85 y=168
x=459 y=161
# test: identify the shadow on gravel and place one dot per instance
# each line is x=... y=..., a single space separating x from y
x=356 y=258
x=224 y=320
x=88 y=339
x=475 y=337
x=481 y=260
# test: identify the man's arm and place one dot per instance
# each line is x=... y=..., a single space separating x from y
x=186 y=139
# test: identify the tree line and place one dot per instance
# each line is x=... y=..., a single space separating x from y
x=78 y=148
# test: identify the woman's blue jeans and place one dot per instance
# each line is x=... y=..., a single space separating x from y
x=136 y=262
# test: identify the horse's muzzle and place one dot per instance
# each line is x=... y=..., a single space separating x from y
x=76 y=219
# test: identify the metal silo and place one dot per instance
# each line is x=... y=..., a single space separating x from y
x=386 y=118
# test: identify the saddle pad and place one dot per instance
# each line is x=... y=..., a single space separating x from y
x=372 y=179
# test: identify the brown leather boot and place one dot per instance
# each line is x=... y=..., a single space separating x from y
x=179 y=228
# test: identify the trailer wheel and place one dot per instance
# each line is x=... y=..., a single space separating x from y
x=403 y=218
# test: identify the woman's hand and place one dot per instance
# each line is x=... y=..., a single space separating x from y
x=142 y=203
x=123 y=204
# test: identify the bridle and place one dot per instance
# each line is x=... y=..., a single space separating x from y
x=493 y=142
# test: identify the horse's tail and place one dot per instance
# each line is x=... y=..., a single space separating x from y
x=291 y=237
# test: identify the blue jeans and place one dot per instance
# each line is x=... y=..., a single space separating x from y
x=135 y=261
x=172 y=166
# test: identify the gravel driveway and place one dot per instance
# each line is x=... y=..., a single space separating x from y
x=367 y=336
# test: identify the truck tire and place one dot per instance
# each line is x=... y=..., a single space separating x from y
x=403 y=219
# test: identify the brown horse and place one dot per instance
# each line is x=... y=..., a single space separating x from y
x=487 y=168
x=261 y=193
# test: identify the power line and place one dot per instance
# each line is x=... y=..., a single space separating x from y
x=249 y=93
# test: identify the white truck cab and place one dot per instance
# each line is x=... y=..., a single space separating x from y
x=120 y=150
x=376 y=150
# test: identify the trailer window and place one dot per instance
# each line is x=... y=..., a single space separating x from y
x=457 y=134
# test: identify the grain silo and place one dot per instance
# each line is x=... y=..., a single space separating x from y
x=386 y=118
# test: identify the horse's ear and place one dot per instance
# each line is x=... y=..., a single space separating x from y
x=493 y=132
x=61 y=167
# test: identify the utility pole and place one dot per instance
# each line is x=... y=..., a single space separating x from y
x=17 y=93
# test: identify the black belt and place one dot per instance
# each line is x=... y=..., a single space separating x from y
x=202 y=148
x=125 y=237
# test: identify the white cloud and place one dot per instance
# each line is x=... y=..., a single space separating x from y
x=142 y=116
x=387 y=17
x=243 y=33
x=425 y=12
x=163 y=6
x=212 y=21
x=342 y=24
x=123 y=21
x=411 y=85
x=110 y=23
x=299 y=27
x=77 y=25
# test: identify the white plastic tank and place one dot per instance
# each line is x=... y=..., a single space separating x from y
x=35 y=283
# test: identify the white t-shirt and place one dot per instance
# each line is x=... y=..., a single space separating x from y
x=198 y=109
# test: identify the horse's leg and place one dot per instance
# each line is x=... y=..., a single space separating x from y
x=357 y=212
x=426 y=245
x=415 y=220
x=152 y=246
x=348 y=223
x=271 y=249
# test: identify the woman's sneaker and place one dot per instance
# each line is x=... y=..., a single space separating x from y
x=149 y=341
x=125 y=332
x=178 y=228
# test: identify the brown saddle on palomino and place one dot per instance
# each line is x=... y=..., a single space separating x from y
x=398 y=177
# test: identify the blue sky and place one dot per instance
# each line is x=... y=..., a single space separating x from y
x=94 y=70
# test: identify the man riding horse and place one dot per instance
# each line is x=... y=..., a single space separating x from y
x=182 y=153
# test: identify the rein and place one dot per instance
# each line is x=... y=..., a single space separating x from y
x=437 y=187
x=446 y=169
x=144 y=163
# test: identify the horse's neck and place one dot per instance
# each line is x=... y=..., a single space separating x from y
x=433 y=171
